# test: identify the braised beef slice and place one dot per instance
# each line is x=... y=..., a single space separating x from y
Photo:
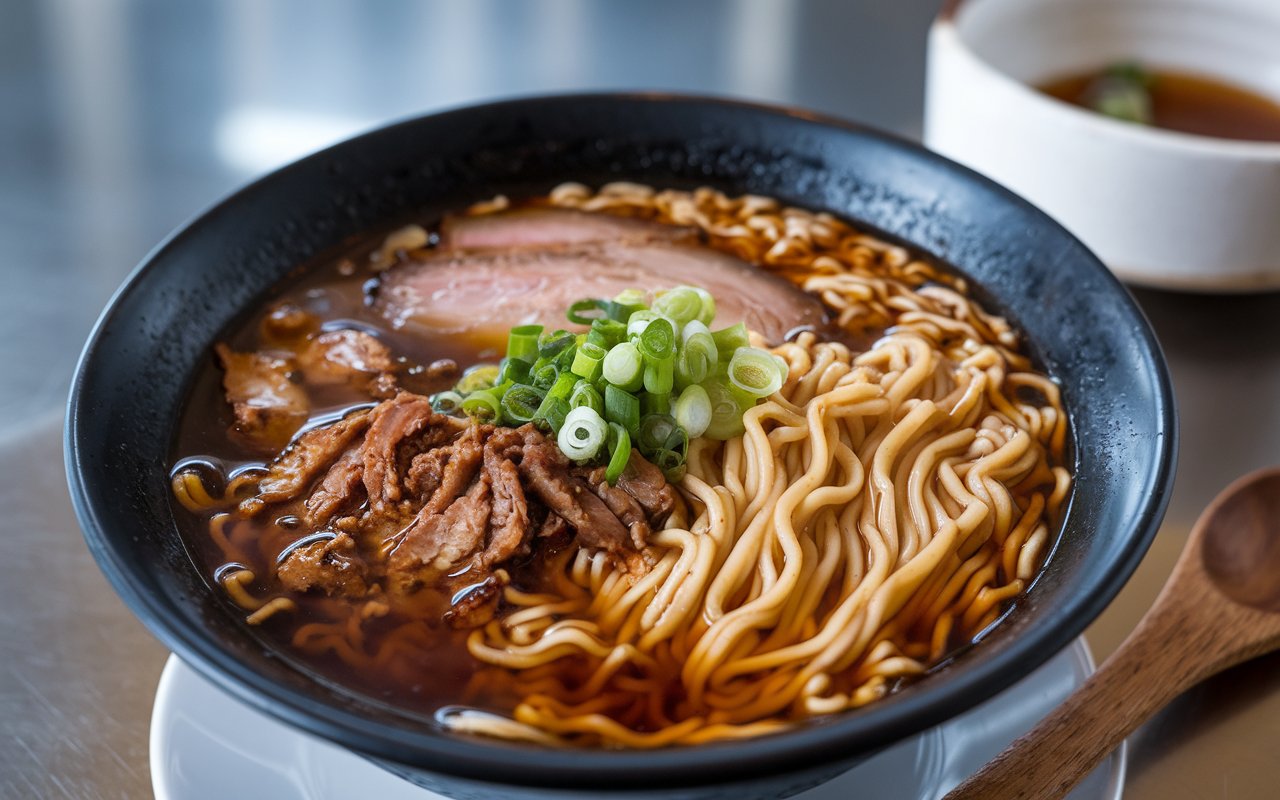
x=509 y=522
x=474 y=605
x=293 y=471
x=436 y=542
x=343 y=357
x=546 y=473
x=624 y=506
x=395 y=423
x=332 y=566
x=268 y=406
x=646 y=483
x=339 y=488
x=442 y=475
x=456 y=501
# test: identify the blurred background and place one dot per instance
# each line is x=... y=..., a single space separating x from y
x=121 y=119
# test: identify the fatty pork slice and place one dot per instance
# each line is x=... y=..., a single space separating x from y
x=478 y=295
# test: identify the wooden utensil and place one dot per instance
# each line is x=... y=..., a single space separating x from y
x=1220 y=606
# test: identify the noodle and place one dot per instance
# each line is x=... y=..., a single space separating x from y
x=886 y=504
x=878 y=507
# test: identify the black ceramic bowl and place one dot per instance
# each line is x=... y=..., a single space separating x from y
x=1080 y=323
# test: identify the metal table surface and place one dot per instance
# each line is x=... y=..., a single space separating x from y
x=121 y=119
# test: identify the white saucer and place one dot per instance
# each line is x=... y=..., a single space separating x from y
x=206 y=745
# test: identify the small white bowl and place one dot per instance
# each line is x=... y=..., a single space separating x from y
x=1161 y=208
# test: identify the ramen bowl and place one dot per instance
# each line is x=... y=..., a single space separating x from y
x=1161 y=208
x=1081 y=326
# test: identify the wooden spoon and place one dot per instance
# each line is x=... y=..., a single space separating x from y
x=1220 y=606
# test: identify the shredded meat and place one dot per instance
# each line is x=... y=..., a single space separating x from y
x=395 y=422
x=287 y=322
x=509 y=522
x=339 y=488
x=268 y=405
x=545 y=470
x=293 y=471
x=344 y=357
x=450 y=505
x=476 y=604
x=648 y=486
x=436 y=542
x=624 y=506
x=333 y=566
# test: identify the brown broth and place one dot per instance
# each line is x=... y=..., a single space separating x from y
x=334 y=289
x=435 y=671
x=1188 y=103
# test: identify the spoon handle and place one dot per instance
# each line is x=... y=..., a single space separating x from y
x=1164 y=656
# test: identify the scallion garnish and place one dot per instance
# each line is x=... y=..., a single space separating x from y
x=641 y=378
x=583 y=434
x=584 y=394
x=588 y=361
x=693 y=411
x=755 y=372
x=619 y=452
x=621 y=407
x=522 y=343
x=520 y=404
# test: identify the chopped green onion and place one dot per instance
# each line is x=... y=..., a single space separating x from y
x=446 y=402
x=584 y=394
x=584 y=312
x=755 y=372
x=654 y=432
x=659 y=375
x=693 y=411
x=698 y=355
x=621 y=407
x=678 y=441
x=729 y=339
x=670 y=462
x=522 y=343
x=481 y=376
x=588 y=361
x=624 y=366
x=597 y=339
x=544 y=374
x=619 y=452
x=520 y=404
x=610 y=330
x=658 y=341
x=564 y=359
x=708 y=306
x=680 y=305
x=655 y=403
x=564 y=386
x=552 y=412
x=583 y=434
x=726 y=412
x=639 y=321
x=513 y=369
x=632 y=297
x=483 y=405
x=552 y=343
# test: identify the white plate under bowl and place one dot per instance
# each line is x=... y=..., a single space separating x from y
x=206 y=745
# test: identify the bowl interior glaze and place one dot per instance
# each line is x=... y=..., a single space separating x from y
x=1082 y=326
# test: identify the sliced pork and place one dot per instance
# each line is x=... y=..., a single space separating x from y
x=514 y=273
x=268 y=406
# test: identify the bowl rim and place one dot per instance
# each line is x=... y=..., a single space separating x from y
x=838 y=738
x=1171 y=142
